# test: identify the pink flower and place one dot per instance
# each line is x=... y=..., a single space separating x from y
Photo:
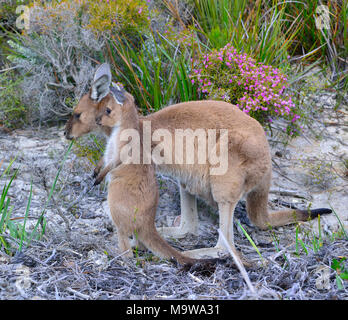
x=258 y=87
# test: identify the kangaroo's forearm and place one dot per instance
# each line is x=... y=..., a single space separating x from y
x=102 y=174
x=98 y=167
x=106 y=170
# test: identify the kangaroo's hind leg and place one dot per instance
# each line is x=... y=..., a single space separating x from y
x=226 y=191
x=226 y=212
x=188 y=218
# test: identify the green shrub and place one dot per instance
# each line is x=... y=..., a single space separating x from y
x=67 y=38
x=91 y=147
x=12 y=111
x=157 y=73
x=8 y=15
x=254 y=28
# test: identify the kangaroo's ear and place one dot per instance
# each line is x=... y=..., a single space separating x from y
x=101 y=82
x=118 y=92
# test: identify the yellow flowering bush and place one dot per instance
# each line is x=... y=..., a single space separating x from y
x=102 y=16
x=114 y=15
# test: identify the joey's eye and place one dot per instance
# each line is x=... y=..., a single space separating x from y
x=108 y=111
x=77 y=115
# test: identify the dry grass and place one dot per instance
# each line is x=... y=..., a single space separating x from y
x=58 y=269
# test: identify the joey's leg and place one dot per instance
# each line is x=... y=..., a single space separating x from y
x=124 y=244
x=137 y=244
x=188 y=218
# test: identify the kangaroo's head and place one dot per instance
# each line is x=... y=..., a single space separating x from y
x=101 y=94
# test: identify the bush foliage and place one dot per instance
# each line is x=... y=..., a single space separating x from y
x=58 y=53
x=12 y=110
x=168 y=51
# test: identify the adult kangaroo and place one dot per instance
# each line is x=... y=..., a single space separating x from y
x=248 y=170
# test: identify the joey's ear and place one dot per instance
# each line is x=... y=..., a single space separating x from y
x=101 y=82
x=118 y=92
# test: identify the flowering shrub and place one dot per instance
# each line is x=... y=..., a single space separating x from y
x=257 y=89
x=124 y=16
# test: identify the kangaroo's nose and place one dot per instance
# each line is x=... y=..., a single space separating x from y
x=98 y=119
x=67 y=135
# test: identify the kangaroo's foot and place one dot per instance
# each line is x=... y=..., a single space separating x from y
x=213 y=253
x=128 y=254
x=177 y=232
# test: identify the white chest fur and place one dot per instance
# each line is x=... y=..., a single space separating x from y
x=112 y=150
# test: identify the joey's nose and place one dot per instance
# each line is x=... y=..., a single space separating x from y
x=98 y=120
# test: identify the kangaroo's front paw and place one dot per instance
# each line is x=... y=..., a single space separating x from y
x=98 y=180
x=95 y=172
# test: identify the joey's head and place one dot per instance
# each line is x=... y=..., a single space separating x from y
x=110 y=97
x=109 y=112
x=102 y=93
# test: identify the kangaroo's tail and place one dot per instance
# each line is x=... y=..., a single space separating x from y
x=256 y=205
x=163 y=249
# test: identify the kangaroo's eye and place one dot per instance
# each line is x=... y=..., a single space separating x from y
x=77 y=115
x=108 y=111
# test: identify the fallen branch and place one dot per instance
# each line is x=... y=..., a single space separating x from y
x=287 y=193
x=336 y=124
x=8 y=69
x=79 y=294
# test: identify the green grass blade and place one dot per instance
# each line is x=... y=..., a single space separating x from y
x=26 y=216
x=303 y=246
x=8 y=167
x=340 y=222
x=250 y=240
x=297 y=242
